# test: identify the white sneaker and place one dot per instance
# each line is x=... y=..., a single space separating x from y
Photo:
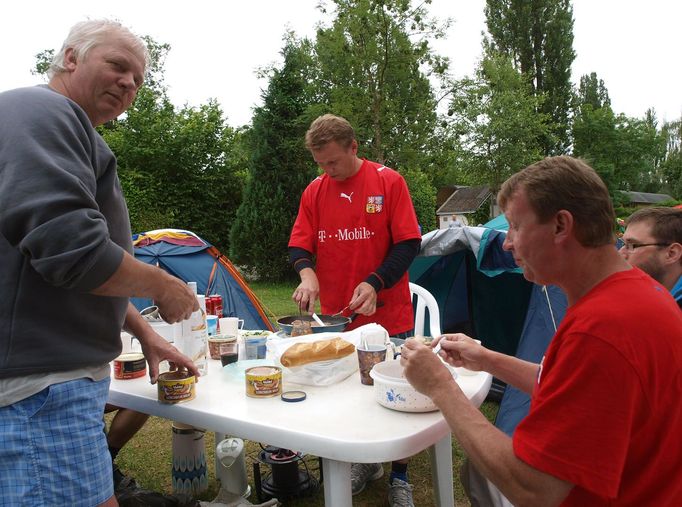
x=400 y=494
x=362 y=473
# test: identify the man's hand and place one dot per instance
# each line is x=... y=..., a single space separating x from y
x=156 y=349
x=306 y=294
x=364 y=300
x=459 y=350
x=176 y=301
x=425 y=371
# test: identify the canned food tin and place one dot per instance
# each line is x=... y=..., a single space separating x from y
x=263 y=381
x=132 y=365
x=176 y=386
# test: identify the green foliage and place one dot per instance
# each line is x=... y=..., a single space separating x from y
x=538 y=35
x=374 y=67
x=43 y=61
x=495 y=117
x=592 y=91
x=628 y=153
x=280 y=168
x=671 y=167
x=423 y=198
x=174 y=169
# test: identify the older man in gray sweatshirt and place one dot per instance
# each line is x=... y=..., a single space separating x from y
x=66 y=271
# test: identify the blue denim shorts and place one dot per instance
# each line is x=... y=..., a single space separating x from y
x=53 y=449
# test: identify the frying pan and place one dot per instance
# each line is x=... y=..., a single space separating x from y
x=332 y=324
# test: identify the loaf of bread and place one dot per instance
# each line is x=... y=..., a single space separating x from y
x=322 y=350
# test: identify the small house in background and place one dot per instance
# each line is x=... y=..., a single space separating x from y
x=642 y=199
x=461 y=204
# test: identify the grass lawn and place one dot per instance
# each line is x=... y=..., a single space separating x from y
x=148 y=456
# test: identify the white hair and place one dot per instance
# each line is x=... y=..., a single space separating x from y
x=85 y=35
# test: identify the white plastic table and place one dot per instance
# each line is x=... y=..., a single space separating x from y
x=341 y=423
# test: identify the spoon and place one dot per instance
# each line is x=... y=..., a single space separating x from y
x=317 y=319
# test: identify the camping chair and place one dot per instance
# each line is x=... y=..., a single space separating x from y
x=425 y=301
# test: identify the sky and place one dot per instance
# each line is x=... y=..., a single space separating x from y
x=217 y=46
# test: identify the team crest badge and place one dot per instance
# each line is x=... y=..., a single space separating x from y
x=375 y=203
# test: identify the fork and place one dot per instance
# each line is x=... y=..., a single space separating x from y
x=339 y=313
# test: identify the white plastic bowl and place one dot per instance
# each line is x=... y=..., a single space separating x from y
x=392 y=390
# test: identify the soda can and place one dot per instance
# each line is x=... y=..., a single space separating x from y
x=217 y=304
x=210 y=305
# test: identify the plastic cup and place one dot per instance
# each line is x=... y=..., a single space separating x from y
x=255 y=347
x=212 y=324
x=229 y=353
x=368 y=356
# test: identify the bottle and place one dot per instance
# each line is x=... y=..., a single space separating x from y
x=194 y=341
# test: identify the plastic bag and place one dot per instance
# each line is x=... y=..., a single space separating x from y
x=325 y=373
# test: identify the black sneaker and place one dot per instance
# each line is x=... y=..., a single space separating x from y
x=123 y=482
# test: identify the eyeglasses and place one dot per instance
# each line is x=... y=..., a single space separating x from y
x=630 y=247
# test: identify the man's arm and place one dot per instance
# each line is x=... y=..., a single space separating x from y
x=490 y=449
x=398 y=260
x=134 y=278
x=306 y=294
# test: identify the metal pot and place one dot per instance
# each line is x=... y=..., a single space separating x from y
x=332 y=324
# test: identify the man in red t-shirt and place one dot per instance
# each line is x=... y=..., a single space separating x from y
x=603 y=427
x=358 y=222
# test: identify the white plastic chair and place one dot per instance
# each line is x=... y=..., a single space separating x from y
x=425 y=300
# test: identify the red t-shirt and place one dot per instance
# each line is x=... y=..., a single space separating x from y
x=606 y=413
x=350 y=226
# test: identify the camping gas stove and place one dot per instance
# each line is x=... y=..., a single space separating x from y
x=287 y=479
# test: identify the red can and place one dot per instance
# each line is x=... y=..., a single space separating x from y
x=217 y=304
x=210 y=305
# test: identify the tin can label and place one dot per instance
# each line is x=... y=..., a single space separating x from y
x=129 y=366
x=263 y=381
x=175 y=387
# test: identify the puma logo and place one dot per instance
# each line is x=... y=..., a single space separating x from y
x=346 y=196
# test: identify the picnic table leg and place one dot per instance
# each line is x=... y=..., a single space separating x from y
x=337 y=491
x=441 y=470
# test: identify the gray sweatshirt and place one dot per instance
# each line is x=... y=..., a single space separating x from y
x=63 y=229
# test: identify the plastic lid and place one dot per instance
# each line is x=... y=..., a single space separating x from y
x=293 y=396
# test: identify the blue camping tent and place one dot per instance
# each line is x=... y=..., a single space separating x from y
x=190 y=258
x=481 y=291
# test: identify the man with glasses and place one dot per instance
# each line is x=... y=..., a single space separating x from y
x=653 y=243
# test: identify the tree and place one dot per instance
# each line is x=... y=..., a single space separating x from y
x=375 y=64
x=672 y=165
x=592 y=91
x=626 y=152
x=280 y=166
x=538 y=36
x=423 y=198
x=494 y=115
